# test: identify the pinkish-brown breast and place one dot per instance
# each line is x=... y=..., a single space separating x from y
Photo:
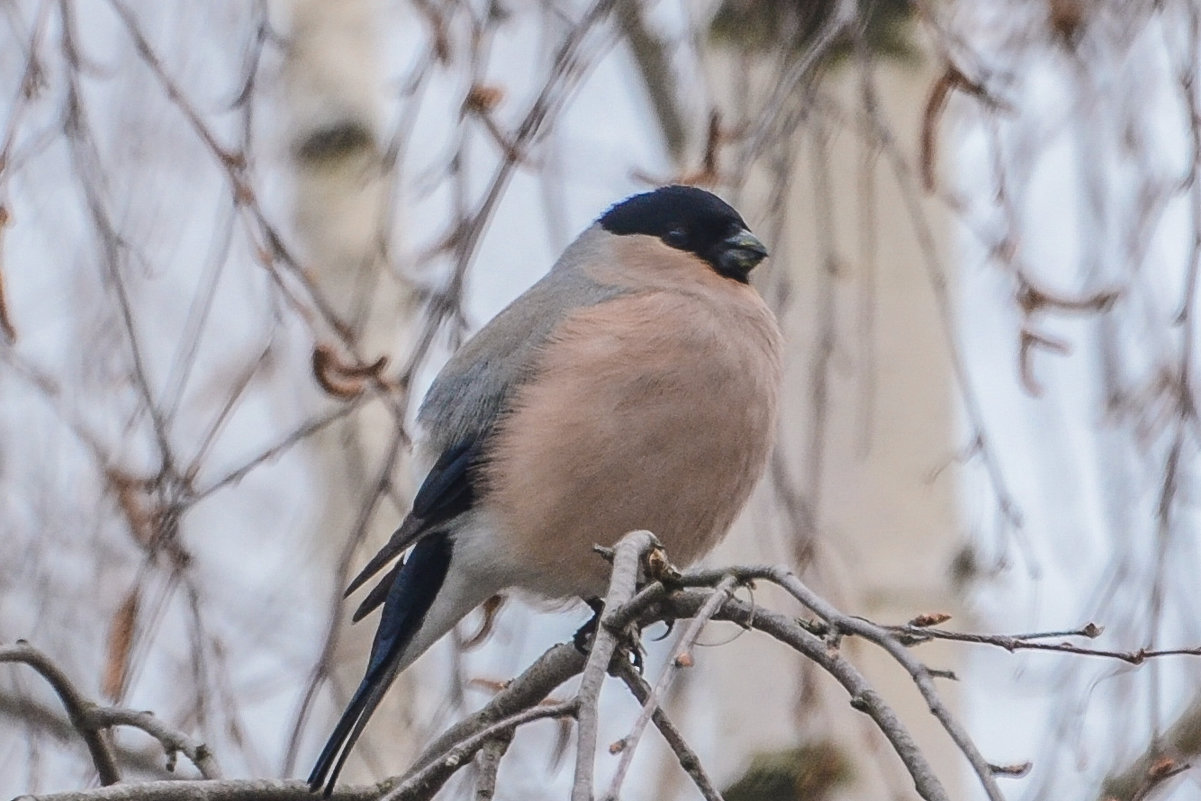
x=655 y=410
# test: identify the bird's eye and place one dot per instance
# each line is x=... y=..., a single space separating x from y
x=676 y=237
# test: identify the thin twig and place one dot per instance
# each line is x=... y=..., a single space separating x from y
x=76 y=705
x=917 y=671
x=568 y=70
x=271 y=452
x=373 y=494
x=554 y=667
x=839 y=21
x=85 y=158
x=425 y=782
x=1028 y=642
x=270 y=241
x=911 y=195
x=487 y=763
x=207 y=790
x=173 y=741
x=863 y=696
x=626 y=558
x=523 y=700
x=687 y=758
x=91 y=719
x=680 y=660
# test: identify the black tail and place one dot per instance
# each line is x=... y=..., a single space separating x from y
x=409 y=599
x=349 y=727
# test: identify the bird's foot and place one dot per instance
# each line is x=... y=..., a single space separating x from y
x=582 y=640
x=629 y=639
x=629 y=646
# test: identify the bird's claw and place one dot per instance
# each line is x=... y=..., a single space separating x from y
x=629 y=639
x=671 y=625
x=629 y=646
x=582 y=639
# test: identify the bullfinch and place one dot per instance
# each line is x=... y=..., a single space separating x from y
x=633 y=387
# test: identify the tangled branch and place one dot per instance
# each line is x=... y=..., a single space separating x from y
x=92 y=720
x=663 y=595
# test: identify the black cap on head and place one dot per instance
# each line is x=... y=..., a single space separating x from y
x=691 y=220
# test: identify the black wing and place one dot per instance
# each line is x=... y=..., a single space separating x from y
x=446 y=493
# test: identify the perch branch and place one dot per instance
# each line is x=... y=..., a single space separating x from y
x=423 y=783
x=626 y=558
x=681 y=659
x=688 y=759
x=698 y=596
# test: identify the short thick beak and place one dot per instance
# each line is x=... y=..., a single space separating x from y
x=740 y=253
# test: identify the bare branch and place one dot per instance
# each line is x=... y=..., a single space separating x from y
x=841 y=19
x=1030 y=642
x=221 y=790
x=173 y=741
x=863 y=696
x=90 y=719
x=688 y=759
x=523 y=700
x=423 y=783
x=550 y=670
x=682 y=658
x=626 y=558
x=6 y=326
x=841 y=624
x=77 y=706
x=488 y=764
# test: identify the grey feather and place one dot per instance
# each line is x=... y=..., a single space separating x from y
x=476 y=385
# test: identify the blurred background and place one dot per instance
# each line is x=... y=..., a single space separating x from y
x=237 y=240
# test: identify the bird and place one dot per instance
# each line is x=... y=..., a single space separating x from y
x=635 y=386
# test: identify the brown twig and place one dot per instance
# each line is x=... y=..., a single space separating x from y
x=6 y=326
x=487 y=763
x=173 y=741
x=863 y=696
x=78 y=708
x=685 y=756
x=1028 y=340
x=626 y=558
x=952 y=78
x=681 y=659
x=422 y=784
x=91 y=720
